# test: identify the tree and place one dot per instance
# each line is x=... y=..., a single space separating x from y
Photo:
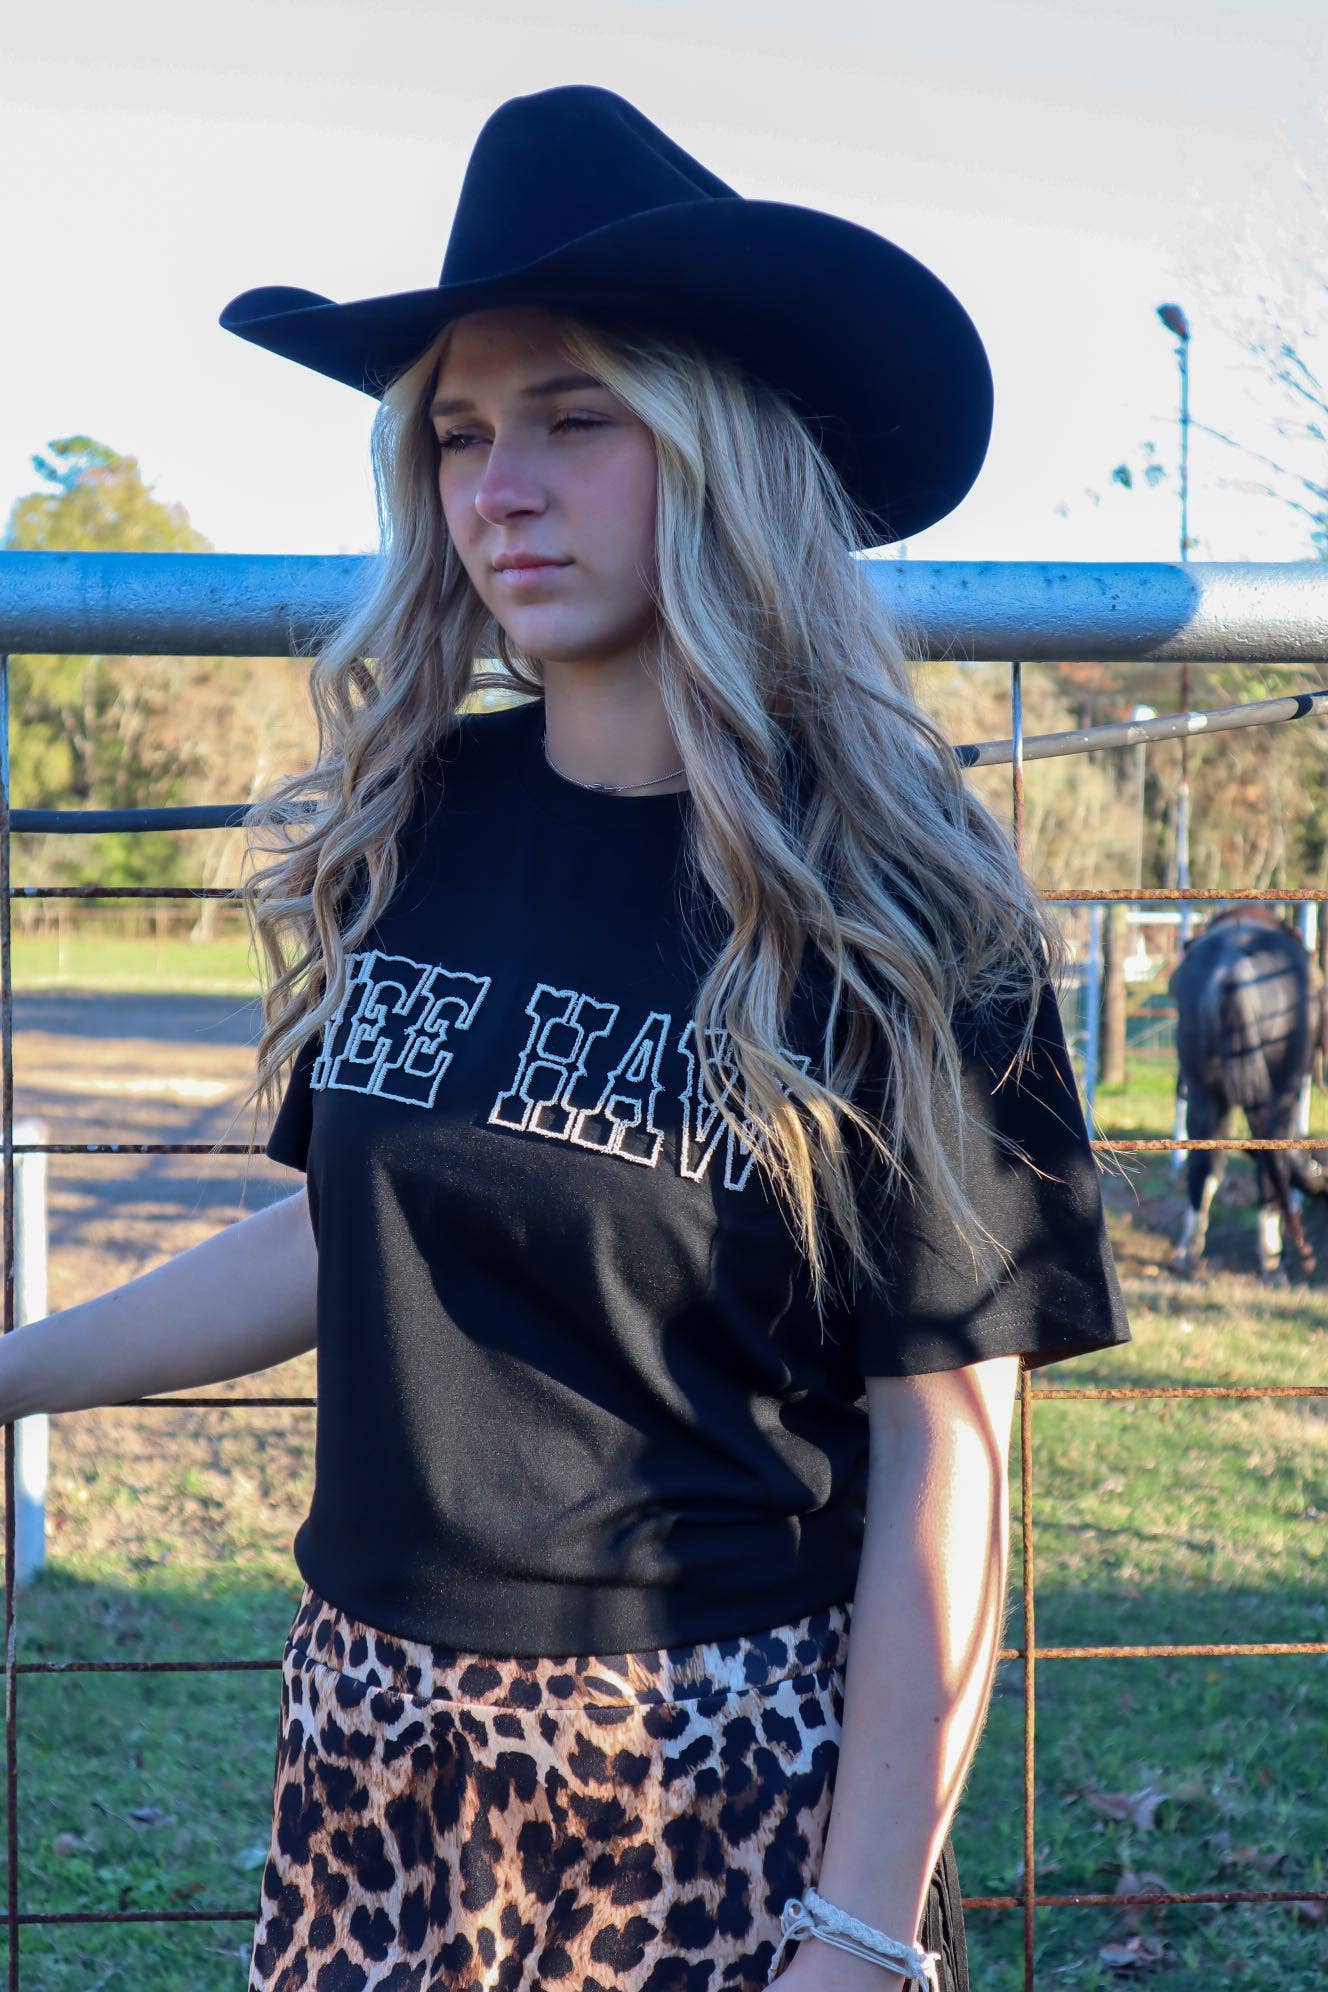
x=1296 y=489
x=101 y=732
x=1079 y=816
x=100 y=504
x=1296 y=479
x=88 y=731
x=1280 y=352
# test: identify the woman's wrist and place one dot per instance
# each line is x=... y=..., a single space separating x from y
x=887 y=1901
x=813 y=1919
x=818 y=1967
x=20 y=1378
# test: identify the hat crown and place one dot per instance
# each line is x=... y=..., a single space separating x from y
x=573 y=199
x=557 y=164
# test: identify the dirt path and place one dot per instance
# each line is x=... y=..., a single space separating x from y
x=129 y=1488
x=106 y=1068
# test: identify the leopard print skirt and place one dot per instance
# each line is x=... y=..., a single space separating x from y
x=626 y=1822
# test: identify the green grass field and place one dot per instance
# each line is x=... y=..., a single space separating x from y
x=86 y=959
x=1160 y=1521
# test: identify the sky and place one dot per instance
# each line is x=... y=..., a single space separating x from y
x=1064 y=168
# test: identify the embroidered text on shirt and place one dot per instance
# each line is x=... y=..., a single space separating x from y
x=392 y=1036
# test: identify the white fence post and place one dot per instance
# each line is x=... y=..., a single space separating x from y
x=30 y=1434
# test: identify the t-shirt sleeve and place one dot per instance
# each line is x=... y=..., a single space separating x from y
x=1057 y=1293
x=289 y=1140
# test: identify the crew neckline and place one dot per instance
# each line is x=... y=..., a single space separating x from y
x=561 y=796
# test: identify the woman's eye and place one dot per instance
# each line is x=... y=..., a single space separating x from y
x=459 y=439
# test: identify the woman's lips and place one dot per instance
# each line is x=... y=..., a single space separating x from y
x=528 y=577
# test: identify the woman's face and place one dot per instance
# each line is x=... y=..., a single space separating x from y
x=537 y=458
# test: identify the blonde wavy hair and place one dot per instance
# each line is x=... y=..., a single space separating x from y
x=831 y=821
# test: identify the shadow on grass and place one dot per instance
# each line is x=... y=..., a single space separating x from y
x=172 y=1016
x=1144 y=1191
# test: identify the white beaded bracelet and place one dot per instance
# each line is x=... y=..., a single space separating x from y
x=813 y=1916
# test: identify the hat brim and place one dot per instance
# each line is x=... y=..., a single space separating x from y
x=877 y=354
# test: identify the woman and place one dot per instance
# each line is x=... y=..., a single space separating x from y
x=650 y=1040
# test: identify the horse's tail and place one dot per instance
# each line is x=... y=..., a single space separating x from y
x=1241 y=1038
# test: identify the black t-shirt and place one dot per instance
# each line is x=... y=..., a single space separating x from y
x=573 y=1395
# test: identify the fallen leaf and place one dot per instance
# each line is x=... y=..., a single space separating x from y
x=1042 y=1864
x=1309 y=1911
x=1130 y=1883
x=149 y=1815
x=1139 y=1808
x=1255 y=1857
x=1111 y=1804
x=1136 y=1957
x=68 y=1843
x=1143 y=1807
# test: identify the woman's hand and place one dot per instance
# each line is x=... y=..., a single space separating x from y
x=819 y=1967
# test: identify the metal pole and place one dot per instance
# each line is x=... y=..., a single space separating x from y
x=1026 y=1436
x=1183 y=349
x=31 y=1434
x=1183 y=826
x=1017 y=754
x=1056 y=612
x=1180 y=325
x=1140 y=717
x=1183 y=799
x=7 y=1325
x=974 y=754
x=1093 y=1008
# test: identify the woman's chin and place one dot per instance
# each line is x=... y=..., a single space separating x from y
x=559 y=639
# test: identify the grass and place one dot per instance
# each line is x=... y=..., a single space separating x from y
x=169 y=1538
x=85 y=959
x=1160 y=1522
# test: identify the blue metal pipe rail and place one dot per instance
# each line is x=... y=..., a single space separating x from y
x=274 y=605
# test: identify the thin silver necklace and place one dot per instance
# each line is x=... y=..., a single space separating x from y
x=607 y=788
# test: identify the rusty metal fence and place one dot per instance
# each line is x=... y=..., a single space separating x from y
x=256 y=605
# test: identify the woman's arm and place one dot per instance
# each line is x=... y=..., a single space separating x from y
x=926 y=1627
x=240 y=1301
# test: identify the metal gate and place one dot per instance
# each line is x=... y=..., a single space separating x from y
x=240 y=605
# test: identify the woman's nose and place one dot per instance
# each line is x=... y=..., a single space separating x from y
x=509 y=484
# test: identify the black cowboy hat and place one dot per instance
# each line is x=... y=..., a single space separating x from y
x=573 y=197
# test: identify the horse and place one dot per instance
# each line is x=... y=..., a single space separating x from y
x=1250 y=1017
